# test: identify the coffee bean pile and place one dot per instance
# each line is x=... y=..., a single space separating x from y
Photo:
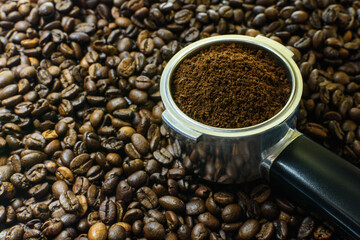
x=83 y=153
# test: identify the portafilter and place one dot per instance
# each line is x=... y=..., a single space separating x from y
x=273 y=149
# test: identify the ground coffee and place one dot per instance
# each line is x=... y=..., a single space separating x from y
x=229 y=86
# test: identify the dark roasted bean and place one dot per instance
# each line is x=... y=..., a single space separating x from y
x=266 y=232
x=107 y=211
x=69 y=201
x=200 y=232
x=281 y=229
x=172 y=203
x=231 y=213
x=154 y=230
x=307 y=226
x=249 y=229
x=98 y=232
x=147 y=197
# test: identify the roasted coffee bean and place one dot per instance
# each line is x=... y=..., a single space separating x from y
x=131 y=166
x=209 y=220
x=116 y=232
x=98 y=232
x=126 y=67
x=8 y=91
x=143 y=82
x=36 y=173
x=260 y=193
x=253 y=209
x=81 y=164
x=299 y=16
x=157 y=215
x=112 y=144
x=212 y=207
x=266 y=232
x=183 y=16
x=33 y=233
x=147 y=197
x=138 y=179
x=223 y=198
x=270 y=210
x=195 y=207
x=184 y=232
x=200 y=232
x=140 y=143
x=15 y=232
x=35 y=141
x=147 y=46
x=114 y=159
x=69 y=201
x=20 y=181
x=94 y=196
x=63 y=173
x=83 y=206
x=172 y=220
x=163 y=156
x=132 y=215
x=92 y=218
x=259 y=20
x=172 y=203
x=124 y=192
x=231 y=213
x=81 y=185
x=24 y=214
x=231 y=227
x=10 y=215
x=40 y=190
x=52 y=227
x=6 y=172
x=281 y=229
x=131 y=151
x=249 y=229
x=66 y=156
x=112 y=178
x=137 y=227
x=41 y=211
x=116 y=103
x=7 y=190
x=202 y=192
x=138 y=96
x=58 y=188
x=2 y=213
x=31 y=158
x=6 y=78
x=107 y=211
x=154 y=230
x=307 y=226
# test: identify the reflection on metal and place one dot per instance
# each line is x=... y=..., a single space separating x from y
x=230 y=155
x=269 y=155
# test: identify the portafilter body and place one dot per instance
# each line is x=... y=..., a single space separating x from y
x=273 y=149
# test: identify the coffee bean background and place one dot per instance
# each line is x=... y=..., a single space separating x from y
x=83 y=153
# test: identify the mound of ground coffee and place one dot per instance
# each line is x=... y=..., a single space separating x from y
x=229 y=86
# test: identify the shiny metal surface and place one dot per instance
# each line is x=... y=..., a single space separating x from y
x=269 y=155
x=230 y=155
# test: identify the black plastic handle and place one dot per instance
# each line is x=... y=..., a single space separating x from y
x=324 y=182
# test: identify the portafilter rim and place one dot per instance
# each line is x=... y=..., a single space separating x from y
x=275 y=49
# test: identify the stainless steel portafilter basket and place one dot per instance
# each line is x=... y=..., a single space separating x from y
x=273 y=149
x=232 y=155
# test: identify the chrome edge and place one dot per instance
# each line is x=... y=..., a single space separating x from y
x=270 y=155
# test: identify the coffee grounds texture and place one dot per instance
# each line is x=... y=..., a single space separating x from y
x=230 y=86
